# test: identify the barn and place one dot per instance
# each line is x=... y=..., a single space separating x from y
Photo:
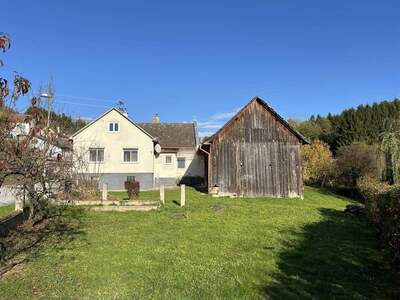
x=256 y=153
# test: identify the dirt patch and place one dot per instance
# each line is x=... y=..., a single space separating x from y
x=216 y=207
x=11 y=269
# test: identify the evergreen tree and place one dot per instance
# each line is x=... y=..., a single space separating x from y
x=365 y=124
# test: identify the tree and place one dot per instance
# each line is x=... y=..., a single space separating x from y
x=391 y=146
x=354 y=161
x=29 y=157
x=364 y=124
x=62 y=122
x=317 y=163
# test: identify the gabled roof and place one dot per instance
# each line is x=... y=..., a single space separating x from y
x=107 y=112
x=271 y=110
x=60 y=142
x=172 y=135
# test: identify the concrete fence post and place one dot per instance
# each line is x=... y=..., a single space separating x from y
x=162 y=194
x=104 y=195
x=19 y=204
x=183 y=195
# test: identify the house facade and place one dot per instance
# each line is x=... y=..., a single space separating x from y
x=113 y=149
x=255 y=154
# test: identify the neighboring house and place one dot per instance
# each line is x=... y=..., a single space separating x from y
x=57 y=145
x=178 y=160
x=256 y=153
x=113 y=149
x=23 y=124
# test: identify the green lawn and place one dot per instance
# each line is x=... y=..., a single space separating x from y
x=213 y=248
x=6 y=210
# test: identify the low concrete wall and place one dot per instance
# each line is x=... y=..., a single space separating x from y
x=10 y=222
x=118 y=203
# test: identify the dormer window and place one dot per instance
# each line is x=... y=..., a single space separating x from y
x=113 y=127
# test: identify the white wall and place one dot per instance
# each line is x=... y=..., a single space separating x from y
x=194 y=164
x=128 y=136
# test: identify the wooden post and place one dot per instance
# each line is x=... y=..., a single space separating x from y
x=162 y=194
x=183 y=196
x=104 y=194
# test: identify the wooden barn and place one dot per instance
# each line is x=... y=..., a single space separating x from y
x=256 y=153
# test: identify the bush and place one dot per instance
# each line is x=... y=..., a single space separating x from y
x=317 y=163
x=382 y=202
x=354 y=161
x=133 y=188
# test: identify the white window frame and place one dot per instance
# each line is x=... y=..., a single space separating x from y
x=97 y=155
x=165 y=159
x=130 y=149
x=177 y=162
x=113 y=126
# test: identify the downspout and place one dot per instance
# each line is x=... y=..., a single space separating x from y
x=208 y=165
x=196 y=135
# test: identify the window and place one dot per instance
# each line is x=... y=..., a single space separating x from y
x=113 y=127
x=130 y=178
x=96 y=154
x=181 y=162
x=168 y=159
x=130 y=155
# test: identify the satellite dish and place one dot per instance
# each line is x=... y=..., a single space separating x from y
x=157 y=148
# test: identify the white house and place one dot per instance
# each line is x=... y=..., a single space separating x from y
x=24 y=125
x=113 y=148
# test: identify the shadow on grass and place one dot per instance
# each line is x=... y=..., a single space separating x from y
x=345 y=194
x=57 y=232
x=337 y=258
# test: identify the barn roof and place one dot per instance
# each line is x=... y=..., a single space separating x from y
x=172 y=135
x=271 y=110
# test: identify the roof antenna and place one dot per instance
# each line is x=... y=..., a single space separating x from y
x=121 y=107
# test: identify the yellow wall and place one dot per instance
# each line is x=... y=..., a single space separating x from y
x=128 y=136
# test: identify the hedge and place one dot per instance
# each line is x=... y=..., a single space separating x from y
x=382 y=202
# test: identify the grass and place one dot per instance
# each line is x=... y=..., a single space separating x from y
x=212 y=248
x=6 y=210
x=143 y=196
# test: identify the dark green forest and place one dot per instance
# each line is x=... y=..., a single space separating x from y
x=65 y=123
x=366 y=124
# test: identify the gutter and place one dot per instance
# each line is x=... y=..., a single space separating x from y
x=208 y=153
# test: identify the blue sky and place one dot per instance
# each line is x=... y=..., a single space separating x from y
x=203 y=60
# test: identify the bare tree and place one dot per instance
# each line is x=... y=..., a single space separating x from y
x=31 y=156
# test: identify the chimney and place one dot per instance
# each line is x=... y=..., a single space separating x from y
x=125 y=113
x=156 y=119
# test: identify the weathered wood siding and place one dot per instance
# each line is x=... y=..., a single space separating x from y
x=256 y=155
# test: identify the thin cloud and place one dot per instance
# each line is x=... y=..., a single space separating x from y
x=214 y=122
x=209 y=125
x=223 y=116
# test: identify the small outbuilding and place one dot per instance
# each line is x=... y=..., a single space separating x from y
x=256 y=153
